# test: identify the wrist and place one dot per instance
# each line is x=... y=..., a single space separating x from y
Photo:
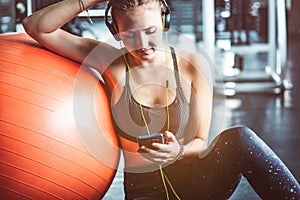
x=89 y=3
x=179 y=155
x=83 y=5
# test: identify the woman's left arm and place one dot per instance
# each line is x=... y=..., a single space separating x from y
x=201 y=98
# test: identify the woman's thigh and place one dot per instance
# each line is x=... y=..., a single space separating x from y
x=217 y=173
x=239 y=151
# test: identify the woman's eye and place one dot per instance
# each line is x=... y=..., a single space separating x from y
x=129 y=35
x=151 y=31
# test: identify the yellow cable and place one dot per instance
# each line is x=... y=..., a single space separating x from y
x=167 y=84
x=140 y=105
x=163 y=175
x=168 y=116
x=172 y=188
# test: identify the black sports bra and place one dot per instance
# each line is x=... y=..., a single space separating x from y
x=127 y=117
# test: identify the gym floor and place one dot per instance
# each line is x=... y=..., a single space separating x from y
x=274 y=119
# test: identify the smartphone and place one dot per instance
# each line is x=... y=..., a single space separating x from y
x=147 y=140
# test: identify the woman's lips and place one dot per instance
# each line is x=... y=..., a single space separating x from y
x=145 y=51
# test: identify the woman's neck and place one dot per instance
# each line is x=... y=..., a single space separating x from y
x=158 y=59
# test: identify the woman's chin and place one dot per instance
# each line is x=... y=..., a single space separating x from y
x=144 y=55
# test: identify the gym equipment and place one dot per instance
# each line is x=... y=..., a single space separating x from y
x=187 y=17
x=7 y=16
x=49 y=107
x=247 y=66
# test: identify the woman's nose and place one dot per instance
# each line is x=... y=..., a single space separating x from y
x=142 y=40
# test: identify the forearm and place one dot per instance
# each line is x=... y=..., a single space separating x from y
x=54 y=16
x=44 y=26
x=194 y=148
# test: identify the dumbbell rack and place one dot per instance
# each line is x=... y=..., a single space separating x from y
x=270 y=78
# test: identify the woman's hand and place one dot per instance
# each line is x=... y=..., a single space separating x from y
x=163 y=154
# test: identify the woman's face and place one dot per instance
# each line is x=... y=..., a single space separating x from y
x=141 y=30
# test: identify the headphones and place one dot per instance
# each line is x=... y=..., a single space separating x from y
x=112 y=27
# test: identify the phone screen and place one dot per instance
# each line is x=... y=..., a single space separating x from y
x=148 y=140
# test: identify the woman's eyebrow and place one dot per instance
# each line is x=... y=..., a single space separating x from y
x=140 y=29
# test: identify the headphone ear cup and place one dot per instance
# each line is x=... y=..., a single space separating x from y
x=166 y=16
x=114 y=30
x=111 y=25
x=167 y=21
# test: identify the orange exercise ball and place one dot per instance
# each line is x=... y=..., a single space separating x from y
x=51 y=109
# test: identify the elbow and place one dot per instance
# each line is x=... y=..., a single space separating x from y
x=26 y=25
x=29 y=26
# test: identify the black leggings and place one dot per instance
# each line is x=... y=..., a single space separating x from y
x=235 y=152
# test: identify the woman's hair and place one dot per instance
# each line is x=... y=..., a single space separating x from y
x=126 y=5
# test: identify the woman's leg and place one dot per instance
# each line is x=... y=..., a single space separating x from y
x=240 y=151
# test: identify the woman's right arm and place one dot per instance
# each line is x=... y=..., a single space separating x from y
x=44 y=26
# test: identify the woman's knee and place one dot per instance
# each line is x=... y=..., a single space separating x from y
x=234 y=139
x=238 y=133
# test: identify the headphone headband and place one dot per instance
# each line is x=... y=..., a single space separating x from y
x=114 y=30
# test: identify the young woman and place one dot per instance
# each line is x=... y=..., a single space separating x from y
x=159 y=89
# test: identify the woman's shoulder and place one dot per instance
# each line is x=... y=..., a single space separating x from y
x=114 y=65
x=196 y=66
x=193 y=62
x=193 y=57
